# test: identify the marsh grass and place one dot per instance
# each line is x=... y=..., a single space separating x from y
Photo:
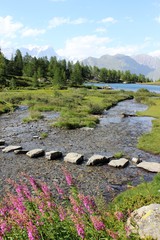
x=151 y=141
x=77 y=106
x=34 y=116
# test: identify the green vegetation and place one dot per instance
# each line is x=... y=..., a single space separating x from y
x=31 y=72
x=78 y=107
x=151 y=141
x=119 y=155
x=31 y=211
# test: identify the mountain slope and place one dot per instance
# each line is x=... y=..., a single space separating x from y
x=119 y=62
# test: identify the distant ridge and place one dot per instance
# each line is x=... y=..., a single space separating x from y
x=139 y=64
x=34 y=52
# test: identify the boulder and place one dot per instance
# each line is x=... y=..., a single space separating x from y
x=98 y=159
x=36 y=153
x=122 y=162
x=2 y=142
x=52 y=155
x=11 y=148
x=74 y=158
x=146 y=221
x=150 y=166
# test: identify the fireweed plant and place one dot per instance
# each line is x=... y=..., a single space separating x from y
x=30 y=211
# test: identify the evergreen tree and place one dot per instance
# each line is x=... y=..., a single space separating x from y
x=2 y=69
x=18 y=63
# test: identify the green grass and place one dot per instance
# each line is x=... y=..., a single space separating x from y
x=150 y=142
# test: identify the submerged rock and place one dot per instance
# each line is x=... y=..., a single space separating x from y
x=150 y=166
x=74 y=158
x=11 y=148
x=146 y=221
x=35 y=153
x=122 y=162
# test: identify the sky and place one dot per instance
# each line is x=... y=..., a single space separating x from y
x=77 y=29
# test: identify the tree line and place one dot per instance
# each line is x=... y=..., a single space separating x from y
x=24 y=71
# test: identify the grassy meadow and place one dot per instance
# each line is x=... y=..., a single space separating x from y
x=78 y=107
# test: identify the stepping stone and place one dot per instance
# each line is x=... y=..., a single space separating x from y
x=36 y=153
x=98 y=159
x=20 y=151
x=52 y=155
x=11 y=148
x=150 y=166
x=122 y=162
x=2 y=142
x=136 y=160
x=73 y=158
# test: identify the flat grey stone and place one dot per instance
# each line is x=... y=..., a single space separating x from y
x=11 y=148
x=122 y=162
x=73 y=158
x=52 y=155
x=98 y=159
x=150 y=166
x=146 y=221
x=35 y=153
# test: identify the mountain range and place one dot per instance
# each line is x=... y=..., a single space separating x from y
x=138 y=64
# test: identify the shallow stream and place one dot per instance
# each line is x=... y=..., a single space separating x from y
x=115 y=133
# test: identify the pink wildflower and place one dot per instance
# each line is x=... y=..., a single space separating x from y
x=88 y=203
x=80 y=230
x=62 y=213
x=112 y=234
x=68 y=177
x=79 y=226
x=97 y=222
x=59 y=190
x=119 y=215
x=33 y=183
x=32 y=231
x=46 y=190
x=78 y=209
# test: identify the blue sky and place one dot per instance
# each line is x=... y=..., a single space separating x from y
x=82 y=28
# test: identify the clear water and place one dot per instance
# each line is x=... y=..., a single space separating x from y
x=129 y=87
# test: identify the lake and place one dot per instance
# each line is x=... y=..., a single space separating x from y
x=128 y=87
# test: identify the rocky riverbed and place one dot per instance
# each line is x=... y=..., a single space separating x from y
x=114 y=134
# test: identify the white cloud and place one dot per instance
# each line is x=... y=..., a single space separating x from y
x=157 y=19
x=108 y=20
x=32 y=32
x=84 y=46
x=100 y=30
x=9 y=28
x=81 y=47
x=57 y=21
x=155 y=53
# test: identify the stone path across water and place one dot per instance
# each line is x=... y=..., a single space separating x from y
x=105 y=139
